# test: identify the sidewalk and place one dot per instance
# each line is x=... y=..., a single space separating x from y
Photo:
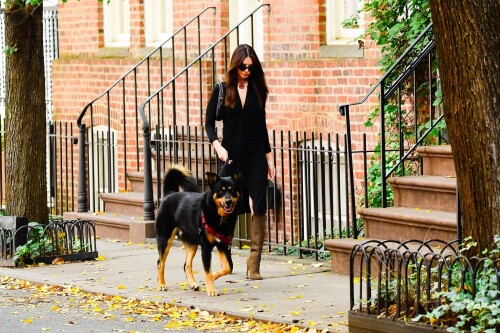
x=298 y=291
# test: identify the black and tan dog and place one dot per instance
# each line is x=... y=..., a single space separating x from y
x=206 y=219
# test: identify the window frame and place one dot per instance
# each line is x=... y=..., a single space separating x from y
x=154 y=33
x=116 y=16
x=336 y=13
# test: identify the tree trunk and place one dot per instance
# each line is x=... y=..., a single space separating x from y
x=25 y=136
x=468 y=46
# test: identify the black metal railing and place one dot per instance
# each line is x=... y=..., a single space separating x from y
x=61 y=166
x=116 y=111
x=156 y=114
x=400 y=280
x=65 y=239
x=307 y=200
x=409 y=117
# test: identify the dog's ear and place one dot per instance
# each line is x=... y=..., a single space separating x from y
x=237 y=176
x=211 y=177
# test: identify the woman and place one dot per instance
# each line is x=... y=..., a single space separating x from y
x=245 y=143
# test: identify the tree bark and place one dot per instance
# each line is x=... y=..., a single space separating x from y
x=468 y=47
x=25 y=136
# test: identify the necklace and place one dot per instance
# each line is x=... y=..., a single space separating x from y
x=241 y=85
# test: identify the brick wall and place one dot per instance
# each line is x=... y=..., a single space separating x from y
x=306 y=90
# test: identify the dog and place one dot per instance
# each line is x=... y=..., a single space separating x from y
x=206 y=219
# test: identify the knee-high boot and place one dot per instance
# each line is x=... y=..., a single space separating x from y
x=257 y=230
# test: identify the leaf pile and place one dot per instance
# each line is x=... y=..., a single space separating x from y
x=117 y=308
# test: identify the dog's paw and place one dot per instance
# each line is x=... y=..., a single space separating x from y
x=195 y=287
x=162 y=287
x=212 y=292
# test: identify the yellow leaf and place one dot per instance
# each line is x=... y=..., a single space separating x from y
x=245 y=247
x=45 y=328
x=54 y=308
x=122 y=287
x=100 y=258
x=356 y=280
x=28 y=321
x=129 y=319
x=296 y=313
x=417 y=208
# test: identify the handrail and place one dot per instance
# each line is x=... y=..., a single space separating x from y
x=389 y=71
x=387 y=92
x=131 y=75
x=159 y=48
x=146 y=126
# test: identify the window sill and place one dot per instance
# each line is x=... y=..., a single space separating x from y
x=166 y=52
x=341 y=51
x=113 y=52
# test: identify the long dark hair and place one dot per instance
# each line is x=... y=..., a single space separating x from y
x=256 y=79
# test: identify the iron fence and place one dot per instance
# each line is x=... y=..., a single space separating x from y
x=61 y=166
x=400 y=280
x=66 y=240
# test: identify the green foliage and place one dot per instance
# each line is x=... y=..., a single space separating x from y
x=27 y=254
x=44 y=241
x=462 y=312
x=310 y=243
x=395 y=25
x=9 y=50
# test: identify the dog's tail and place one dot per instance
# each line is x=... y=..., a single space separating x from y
x=179 y=179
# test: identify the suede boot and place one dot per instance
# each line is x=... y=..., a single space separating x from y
x=257 y=230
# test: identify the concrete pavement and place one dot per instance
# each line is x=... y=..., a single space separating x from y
x=295 y=291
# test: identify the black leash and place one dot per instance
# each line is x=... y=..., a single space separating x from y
x=222 y=169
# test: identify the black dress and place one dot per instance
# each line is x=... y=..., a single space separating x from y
x=245 y=137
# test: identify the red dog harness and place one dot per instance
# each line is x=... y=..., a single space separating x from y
x=224 y=239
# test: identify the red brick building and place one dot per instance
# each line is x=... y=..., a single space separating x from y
x=312 y=64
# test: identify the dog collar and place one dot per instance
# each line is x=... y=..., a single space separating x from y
x=224 y=239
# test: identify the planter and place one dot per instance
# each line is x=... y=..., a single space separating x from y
x=68 y=240
x=10 y=239
x=364 y=323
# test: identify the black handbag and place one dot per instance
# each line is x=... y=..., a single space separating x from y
x=220 y=102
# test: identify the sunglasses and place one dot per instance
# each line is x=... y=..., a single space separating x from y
x=244 y=67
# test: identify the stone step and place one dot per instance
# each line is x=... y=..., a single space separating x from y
x=341 y=251
x=117 y=226
x=129 y=203
x=425 y=192
x=437 y=160
x=401 y=223
x=136 y=179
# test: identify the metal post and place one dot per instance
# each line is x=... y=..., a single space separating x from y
x=149 y=206
x=82 y=176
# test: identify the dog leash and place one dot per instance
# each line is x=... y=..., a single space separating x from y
x=223 y=168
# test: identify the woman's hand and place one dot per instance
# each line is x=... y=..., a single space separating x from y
x=221 y=151
x=271 y=169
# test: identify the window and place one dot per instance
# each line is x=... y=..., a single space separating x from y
x=336 y=12
x=240 y=9
x=116 y=23
x=158 y=16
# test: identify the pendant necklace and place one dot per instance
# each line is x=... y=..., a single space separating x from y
x=241 y=86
